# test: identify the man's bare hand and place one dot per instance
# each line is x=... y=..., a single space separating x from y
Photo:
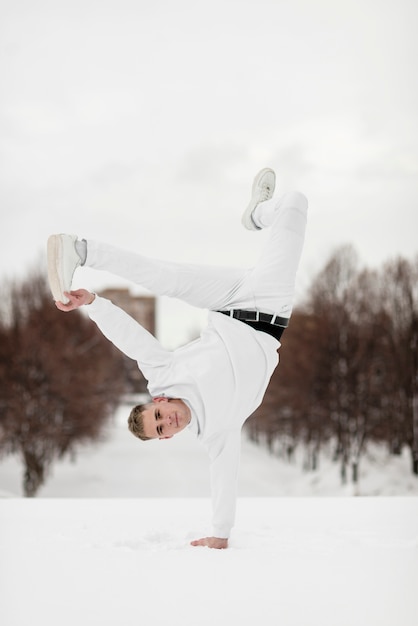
x=76 y=299
x=211 y=542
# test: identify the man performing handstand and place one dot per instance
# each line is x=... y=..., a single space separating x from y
x=211 y=385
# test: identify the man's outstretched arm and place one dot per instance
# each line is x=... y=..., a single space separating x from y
x=121 y=329
x=224 y=453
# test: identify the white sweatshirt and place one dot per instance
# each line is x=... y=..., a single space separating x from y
x=222 y=377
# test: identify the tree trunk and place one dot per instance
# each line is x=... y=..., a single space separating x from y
x=415 y=434
x=343 y=469
x=33 y=476
x=354 y=471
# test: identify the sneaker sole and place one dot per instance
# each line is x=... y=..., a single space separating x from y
x=54 y=255
x=246 y=219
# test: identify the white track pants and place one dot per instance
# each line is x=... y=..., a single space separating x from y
x=267 y=287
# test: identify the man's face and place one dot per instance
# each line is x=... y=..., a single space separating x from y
x=165 y=417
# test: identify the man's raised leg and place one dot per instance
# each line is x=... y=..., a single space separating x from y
x=199 y=285
x=275 y=273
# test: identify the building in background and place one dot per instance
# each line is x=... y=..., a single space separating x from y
x=143 y=310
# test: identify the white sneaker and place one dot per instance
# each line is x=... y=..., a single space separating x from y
x=263 y=189
x=63 y=260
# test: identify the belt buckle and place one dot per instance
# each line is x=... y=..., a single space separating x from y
x=257 y=316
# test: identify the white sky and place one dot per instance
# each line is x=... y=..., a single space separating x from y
x=143 y=124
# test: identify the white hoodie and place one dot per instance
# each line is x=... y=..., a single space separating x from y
x=222 y=377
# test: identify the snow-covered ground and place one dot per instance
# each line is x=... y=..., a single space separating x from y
x=97 y=546
x=293 y=562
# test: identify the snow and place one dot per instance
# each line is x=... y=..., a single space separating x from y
x=97 y=546
x=123 y=467
x=292 y=561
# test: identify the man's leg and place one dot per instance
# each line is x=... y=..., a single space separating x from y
x=275 y=274
x=269 y=286
x=203 y=286
x=198 y=285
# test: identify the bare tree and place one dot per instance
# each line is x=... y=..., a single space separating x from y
x=328 y=300
x=367 y=363
x=291 y=411
x=60 y=380
x=349 y=365
x=400 y=303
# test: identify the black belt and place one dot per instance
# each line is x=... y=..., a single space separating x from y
x=271 y=324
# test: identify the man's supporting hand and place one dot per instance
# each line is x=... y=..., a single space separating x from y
x=211 y=542
x=76 y=299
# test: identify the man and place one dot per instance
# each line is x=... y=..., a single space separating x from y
x=213 y=384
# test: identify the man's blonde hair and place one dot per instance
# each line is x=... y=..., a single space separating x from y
x=136 y=423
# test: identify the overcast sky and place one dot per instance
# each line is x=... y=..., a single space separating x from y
x=143 y=124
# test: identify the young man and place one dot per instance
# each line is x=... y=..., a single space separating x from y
x=214 y=384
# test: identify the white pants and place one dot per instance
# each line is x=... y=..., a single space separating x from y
x=267 y=287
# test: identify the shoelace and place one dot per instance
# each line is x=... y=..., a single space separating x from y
x=265 y=193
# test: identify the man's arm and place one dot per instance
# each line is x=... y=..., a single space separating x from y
x=120 y=328
x=224 y=452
